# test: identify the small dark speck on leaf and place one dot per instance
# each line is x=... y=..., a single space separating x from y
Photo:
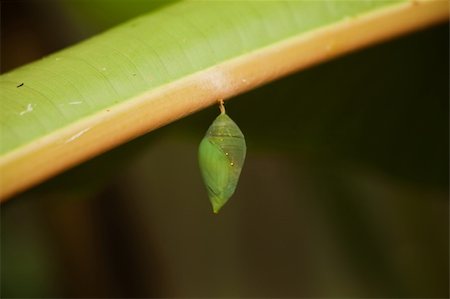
x=134 y=74
x=20 y=85
x=107 y=110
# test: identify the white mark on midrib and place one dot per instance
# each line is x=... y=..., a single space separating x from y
x=219 y=80
x=245 y=81
x=29 y=109
x=75 y=103
x=77 y=135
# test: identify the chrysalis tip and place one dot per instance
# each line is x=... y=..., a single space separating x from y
x=216 y=207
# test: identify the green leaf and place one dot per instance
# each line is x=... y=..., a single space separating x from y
x=86 y=99
x=146 y=53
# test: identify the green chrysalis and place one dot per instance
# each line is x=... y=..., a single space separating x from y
x=221 y=155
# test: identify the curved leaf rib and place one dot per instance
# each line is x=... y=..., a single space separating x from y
x=150 y=71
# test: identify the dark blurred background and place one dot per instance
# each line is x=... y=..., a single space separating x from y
x=344 y=192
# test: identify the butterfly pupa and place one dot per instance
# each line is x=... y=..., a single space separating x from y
x=221 y=155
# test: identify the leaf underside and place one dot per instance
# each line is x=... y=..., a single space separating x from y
x=148 y=52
